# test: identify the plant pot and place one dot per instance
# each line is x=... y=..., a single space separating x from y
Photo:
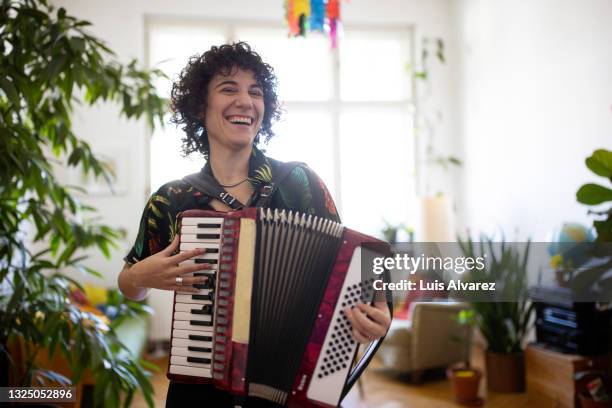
x=465 y=383
x=505 y=372
x=587 y=402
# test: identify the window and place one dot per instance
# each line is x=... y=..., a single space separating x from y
x=348 y=113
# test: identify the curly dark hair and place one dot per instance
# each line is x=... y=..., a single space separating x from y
x=190 y=91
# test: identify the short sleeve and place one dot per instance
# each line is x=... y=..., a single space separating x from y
x=157 y=227
x=304 y=191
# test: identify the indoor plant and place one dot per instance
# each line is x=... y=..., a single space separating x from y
x=50 y=62
x=600 y=163
x=465 y=380
x=503 y=323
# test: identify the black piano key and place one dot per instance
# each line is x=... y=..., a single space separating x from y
x=201 y=349
x=210 y=274
x=210 y=296
x=204 y=310
x=200 y=323
x=208 y=236
x=198 y=360
x=199 y=338
x=205 y=261
x=209 y=284
x=209 y=225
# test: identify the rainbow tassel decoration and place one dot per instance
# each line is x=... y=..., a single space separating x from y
x=313 y=15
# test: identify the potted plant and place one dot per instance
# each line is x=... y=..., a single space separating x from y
x=465 y=379
x=504 y=324
x=600 y=163
x=50 y=62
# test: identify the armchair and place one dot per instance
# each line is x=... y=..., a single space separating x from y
x=427 y=339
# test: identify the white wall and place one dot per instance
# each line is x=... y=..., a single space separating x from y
x=122 y=25
x=535 y=100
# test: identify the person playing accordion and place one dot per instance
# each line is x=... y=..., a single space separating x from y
x=225 y=102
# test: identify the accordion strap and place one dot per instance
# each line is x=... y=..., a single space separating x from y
x=267 y=190
x=208 y=185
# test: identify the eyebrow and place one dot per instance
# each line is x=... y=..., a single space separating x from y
x=232 y=82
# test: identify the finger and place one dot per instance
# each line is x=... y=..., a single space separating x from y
x=350 y=314
x=376 y=314
x=360 y=337
x=185 y=255
x=190 y=268
x=194 y=280
x=366 y=325
x=169 y=250
x=382 y=306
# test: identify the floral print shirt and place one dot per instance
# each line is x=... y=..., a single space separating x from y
x=302 y=190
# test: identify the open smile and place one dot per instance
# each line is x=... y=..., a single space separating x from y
x=240 y=120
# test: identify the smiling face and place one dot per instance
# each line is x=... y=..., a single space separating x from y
x=234 y=110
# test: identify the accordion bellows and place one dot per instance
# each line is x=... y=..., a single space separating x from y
x=269 y=323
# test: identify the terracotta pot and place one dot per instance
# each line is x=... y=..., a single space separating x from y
x=465 y=382
x=505 y=372
x=587 y=402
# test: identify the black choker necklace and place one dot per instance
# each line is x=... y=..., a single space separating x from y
x=233 y=185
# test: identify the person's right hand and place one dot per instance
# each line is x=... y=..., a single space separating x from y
x=159 y=271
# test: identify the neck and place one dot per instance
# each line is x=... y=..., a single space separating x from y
x=229 y=167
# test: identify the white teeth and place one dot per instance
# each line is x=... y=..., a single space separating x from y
x=243 y=120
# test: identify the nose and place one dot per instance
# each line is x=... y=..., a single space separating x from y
x=243 y=100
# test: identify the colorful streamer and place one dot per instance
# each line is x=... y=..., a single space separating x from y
x=313 y=15
x=317 y=15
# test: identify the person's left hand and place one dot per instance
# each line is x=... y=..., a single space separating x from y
x=369 y=322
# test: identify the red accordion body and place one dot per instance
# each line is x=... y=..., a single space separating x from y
x=271 y=325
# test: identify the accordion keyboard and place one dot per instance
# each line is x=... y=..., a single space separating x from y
x=193 y=320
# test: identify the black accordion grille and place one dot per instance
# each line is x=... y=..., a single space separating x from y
x=294 y=257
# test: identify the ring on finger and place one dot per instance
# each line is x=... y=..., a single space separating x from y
x=179 y=281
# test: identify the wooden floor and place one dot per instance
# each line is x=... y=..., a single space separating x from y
x=381 y=390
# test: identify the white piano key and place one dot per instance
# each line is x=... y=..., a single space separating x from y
x=189 y=307
x=186 y=325
x=179 y=342
x=182 y=360
x=187 y=335
x=181 y=298
x=202 y=220
x=192 y=316
x=194 y=230
x=188 y=246
x=183 y=351
x=206 y=273
x=202 y=292
x=207 y=256
x=192 y=371
x=190 y=234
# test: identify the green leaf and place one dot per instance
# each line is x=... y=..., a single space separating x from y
x=53 y=68
x=454 y=161
x=10 y=91
x=593 y=194
x=600 y=163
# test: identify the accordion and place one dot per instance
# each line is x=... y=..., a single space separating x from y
x=269 y=322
